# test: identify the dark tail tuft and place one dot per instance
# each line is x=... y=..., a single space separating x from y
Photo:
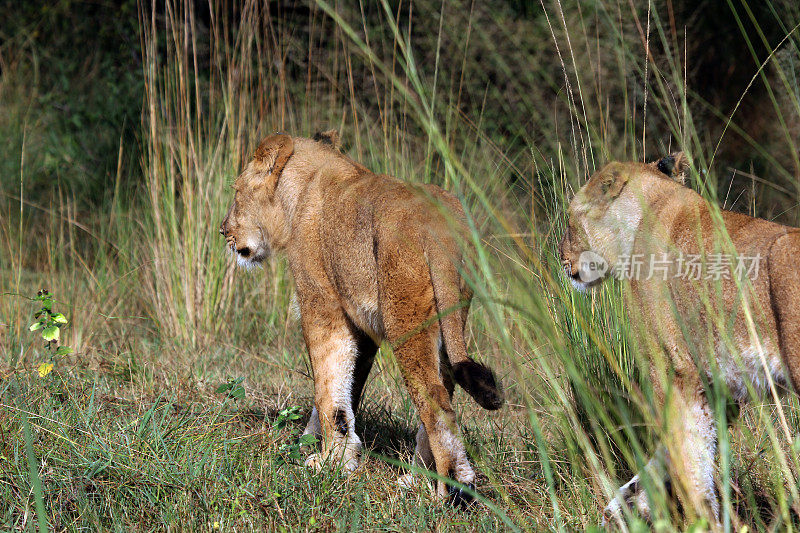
x=479 y=382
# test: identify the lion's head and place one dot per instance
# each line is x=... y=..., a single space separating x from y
x=254 y=225
x=605 y=214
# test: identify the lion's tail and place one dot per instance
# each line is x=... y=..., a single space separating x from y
x=477 y=379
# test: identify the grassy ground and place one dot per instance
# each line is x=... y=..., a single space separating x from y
x=511 y=107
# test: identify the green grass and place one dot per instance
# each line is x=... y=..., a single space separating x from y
x=509 y=107
x=190 y=460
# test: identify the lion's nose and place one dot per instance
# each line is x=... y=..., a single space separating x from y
x=244 y=251
x=222 y=230
x=571 y=269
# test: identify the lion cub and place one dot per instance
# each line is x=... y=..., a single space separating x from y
x=373 y=259
x=712 y=294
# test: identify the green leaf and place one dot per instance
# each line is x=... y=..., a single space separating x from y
x=51 y=333
x=47 y=301
x=307 y=439
x=285 y=416
x=232 y=388
x=59 y=318
x=295 y=455
x=289 y=452
x=64 y=350
x=35 y=326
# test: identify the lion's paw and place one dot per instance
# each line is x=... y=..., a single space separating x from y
x=612 y=514
x=635 y=499
x=314 y=461
x=317 y=461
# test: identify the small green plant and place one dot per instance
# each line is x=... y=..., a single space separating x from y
x=50 y=324
x=291 y=452
x=232 y=389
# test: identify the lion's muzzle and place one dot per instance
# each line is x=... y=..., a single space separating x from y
x=570 y=267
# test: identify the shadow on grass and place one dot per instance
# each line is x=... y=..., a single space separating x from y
x=385 y=434
x=381 y=431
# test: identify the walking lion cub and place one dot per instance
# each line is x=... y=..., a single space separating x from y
x=373 y=259
x=713 y=294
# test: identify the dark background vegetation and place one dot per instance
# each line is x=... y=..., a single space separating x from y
x=73 y=72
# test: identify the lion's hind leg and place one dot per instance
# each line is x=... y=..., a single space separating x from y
x=423 y=456
x=418 y=359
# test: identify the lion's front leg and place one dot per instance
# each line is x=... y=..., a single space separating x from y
x=692 y=441
x=685 y=460
x=313 y=427
x=632 y=495
x=334 y=354
x=367 y=349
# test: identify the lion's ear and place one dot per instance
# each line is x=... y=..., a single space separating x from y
x=330 y=137
x=673 y=165
x=612 y=180
x=272 y=155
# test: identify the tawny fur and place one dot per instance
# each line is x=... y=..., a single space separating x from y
x=633 y=208
x=373 y=259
